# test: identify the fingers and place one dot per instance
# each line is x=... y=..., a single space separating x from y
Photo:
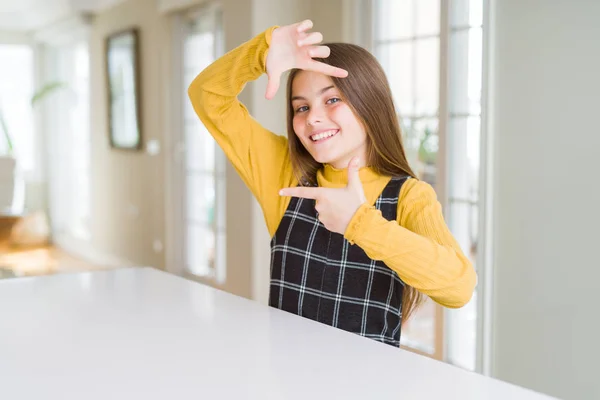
x=327 y=69
x=318 y=208
x=304 y=25
x=304 y=192
x=319 y=52
x=272 y=86
x=311 y=38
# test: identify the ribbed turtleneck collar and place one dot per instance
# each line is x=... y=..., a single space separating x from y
x=329 y=176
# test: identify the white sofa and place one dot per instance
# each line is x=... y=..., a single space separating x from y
x=7 y=184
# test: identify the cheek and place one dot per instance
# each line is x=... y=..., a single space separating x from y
x=299 y=125
x=345 y=118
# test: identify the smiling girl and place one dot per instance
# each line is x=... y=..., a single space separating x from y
x=357 y=239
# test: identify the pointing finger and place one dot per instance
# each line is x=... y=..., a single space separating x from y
x=303 y=192
x=327 y=69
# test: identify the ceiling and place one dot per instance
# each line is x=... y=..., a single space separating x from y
x=29 y=15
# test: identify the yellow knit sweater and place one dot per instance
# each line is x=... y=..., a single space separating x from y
x=418 y=246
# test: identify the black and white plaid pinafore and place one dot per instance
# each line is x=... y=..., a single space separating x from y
x=319 y=275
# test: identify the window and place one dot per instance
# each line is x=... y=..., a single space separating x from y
x=69 y=141
x=407 y=43
x=431 y=51
x=204 y=170
x=16 y=62
x=80 y=139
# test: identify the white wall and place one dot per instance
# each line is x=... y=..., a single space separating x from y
x=546 y=96
x=127 y=187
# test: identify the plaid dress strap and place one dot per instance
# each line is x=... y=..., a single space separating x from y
x=317 y=274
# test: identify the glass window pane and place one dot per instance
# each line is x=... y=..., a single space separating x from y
x=461 y=335
x=475 y=67
x=419 y=331
x=465 y=65
x=463 y=220
x=201 y=199
x=200 y=148
x=394 y=19
x=421 y=146
x=464 y=135
x=16 y=62
x=397 y=62
x=475 y=12
x=410 y=141
x=80 y=141
x=200 y=249
x=199 y=50
x=465 y=13
x=427 y=73
x=428 y=17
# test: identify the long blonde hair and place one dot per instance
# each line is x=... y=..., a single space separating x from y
x=366 y=91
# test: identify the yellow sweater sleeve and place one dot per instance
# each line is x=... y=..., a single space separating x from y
x=260 y=157
x=418 y=246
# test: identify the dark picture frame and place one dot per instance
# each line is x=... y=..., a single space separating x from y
x=123 y=89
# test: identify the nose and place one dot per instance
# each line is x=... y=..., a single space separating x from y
x=315 y=116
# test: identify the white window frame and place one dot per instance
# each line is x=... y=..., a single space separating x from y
x=485 y=304
x=175 y=160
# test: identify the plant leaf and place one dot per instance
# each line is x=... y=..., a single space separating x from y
x=45 y=91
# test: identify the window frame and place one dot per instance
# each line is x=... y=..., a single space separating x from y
x=175 y=161
x=366 y=35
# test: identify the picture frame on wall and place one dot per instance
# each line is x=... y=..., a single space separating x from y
x=123 y=87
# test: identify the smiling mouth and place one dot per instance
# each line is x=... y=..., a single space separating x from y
x=321 y=136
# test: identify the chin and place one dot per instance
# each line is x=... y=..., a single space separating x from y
x=323 y=159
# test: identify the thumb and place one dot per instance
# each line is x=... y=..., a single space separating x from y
x=272 y=86
x=353 y=175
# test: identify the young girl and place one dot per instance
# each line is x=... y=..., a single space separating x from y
x=356 y=237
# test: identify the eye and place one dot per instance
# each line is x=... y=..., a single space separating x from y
x=301 y=109
x=333 y=100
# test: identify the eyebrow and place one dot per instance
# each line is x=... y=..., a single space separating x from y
x=320 y=93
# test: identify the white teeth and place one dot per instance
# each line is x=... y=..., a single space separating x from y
x=323 y=135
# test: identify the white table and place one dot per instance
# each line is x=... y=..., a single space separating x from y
x=141 y=333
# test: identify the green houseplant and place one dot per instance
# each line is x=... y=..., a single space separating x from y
x=38 y=96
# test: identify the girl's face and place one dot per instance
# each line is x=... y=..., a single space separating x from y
x=324 y=123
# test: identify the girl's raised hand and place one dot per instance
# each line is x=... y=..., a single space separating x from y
x=292 y=46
